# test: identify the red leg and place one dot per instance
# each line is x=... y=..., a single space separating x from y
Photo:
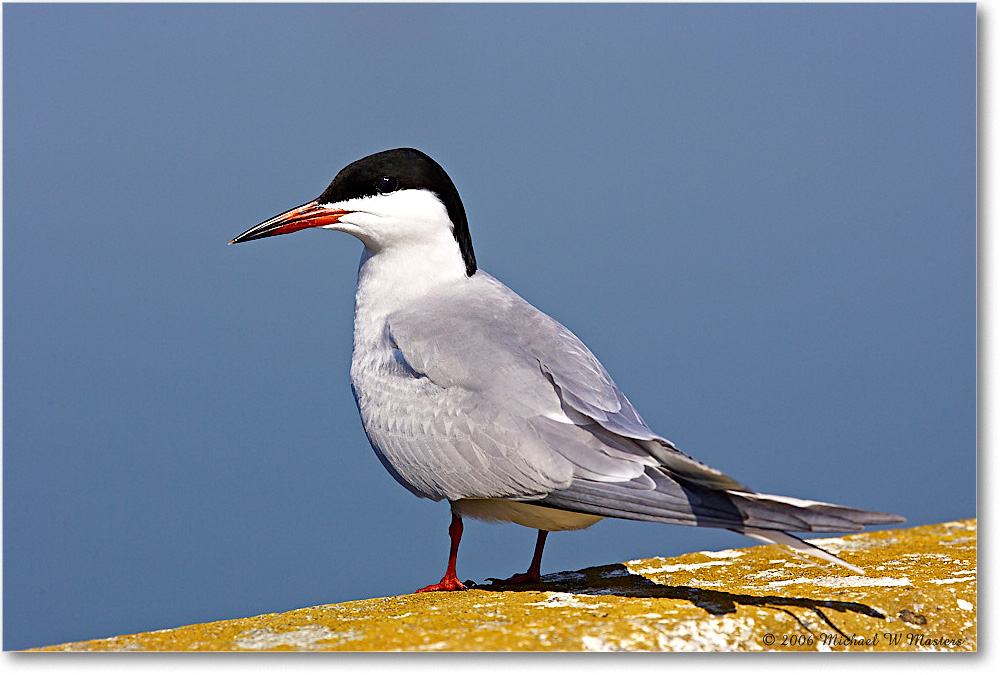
x=534 y=572
x=450 y=580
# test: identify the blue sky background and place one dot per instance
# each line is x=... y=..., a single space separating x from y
x=760 y=218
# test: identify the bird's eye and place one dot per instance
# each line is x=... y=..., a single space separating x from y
x=386 y=184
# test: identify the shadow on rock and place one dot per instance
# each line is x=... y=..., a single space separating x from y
x=617 y=580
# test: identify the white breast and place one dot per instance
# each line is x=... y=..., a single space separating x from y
x=528 y=515
x=389 y=281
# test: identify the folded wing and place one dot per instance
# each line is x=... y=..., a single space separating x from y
x=523 y=410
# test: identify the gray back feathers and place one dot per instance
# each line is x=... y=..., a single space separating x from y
x=488 y=397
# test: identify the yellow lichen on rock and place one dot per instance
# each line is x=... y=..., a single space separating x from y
x=919 y=594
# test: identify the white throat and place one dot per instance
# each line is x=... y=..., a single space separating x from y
x=391 y=279
x=410 y=250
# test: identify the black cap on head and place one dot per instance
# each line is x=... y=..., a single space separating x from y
x=403 y=169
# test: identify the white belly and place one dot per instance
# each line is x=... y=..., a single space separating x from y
x=529 y=515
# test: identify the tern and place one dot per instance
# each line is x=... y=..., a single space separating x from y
x=469 y=394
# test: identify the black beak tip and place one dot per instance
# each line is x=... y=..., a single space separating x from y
x=247 y=236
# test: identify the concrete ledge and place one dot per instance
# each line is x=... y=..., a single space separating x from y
x=919 y=594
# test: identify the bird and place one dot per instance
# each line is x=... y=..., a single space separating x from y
x=469 y=394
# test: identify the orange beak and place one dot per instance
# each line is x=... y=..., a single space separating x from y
x=308 y=215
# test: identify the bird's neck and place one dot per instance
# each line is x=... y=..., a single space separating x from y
x=391 y=280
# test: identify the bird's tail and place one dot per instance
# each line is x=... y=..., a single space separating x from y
x=799 y=548
x=660 y=497
x=816 y=516
x=804 y=515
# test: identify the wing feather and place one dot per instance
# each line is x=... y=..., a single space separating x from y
x=526 y=412
x=546 y=409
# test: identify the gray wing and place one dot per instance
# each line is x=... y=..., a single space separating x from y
x=564 y=422
x=510 y=404
x=450 y=442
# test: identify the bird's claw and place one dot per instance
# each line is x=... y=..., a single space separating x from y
x=446 y=584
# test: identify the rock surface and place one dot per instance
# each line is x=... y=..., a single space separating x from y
x=919 y=594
